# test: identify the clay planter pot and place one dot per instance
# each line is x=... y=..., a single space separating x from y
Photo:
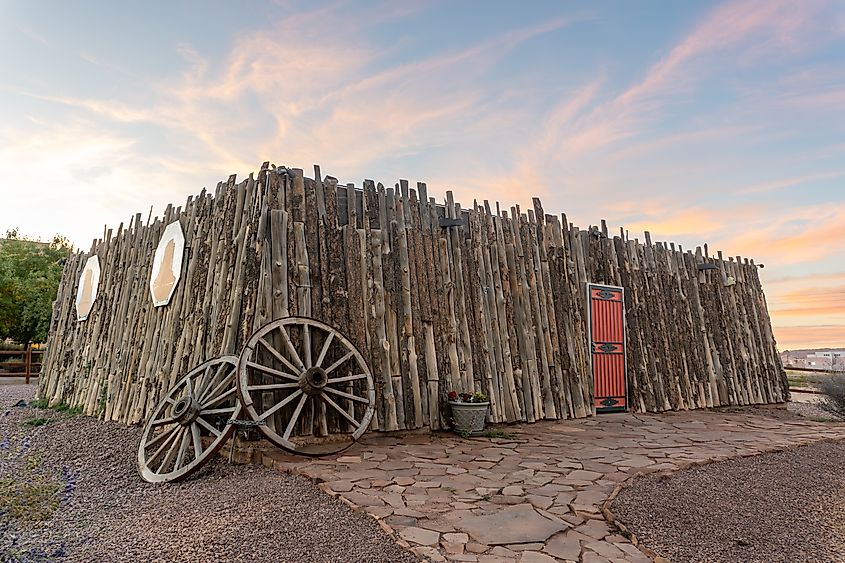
x=469 y=418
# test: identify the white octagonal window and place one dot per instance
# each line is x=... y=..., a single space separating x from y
x=167 y=264
x=86 y=291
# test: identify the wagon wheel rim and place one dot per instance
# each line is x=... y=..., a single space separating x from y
x=191 y=423
x=305 y=363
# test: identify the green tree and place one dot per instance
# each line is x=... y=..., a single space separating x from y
x=30 y=272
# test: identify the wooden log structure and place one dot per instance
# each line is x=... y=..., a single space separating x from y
x=437 y=296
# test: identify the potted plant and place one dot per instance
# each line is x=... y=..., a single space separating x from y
x=469 y=411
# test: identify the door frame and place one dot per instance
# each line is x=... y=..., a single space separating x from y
x=589 y=297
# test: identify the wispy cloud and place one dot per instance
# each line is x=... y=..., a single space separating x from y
x=761 y=27
x=789 y=182
x=33 y=35
x=804 y=234
x=296 y=93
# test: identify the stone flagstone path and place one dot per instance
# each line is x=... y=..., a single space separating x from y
x=535 y=496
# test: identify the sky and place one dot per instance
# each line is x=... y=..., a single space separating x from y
x=717 y=122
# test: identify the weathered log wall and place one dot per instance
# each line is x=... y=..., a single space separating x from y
x=437 y=297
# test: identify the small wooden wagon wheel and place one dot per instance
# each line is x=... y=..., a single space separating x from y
x=191 y=423
x=306 y=385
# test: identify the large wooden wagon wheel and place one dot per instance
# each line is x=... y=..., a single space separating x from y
x=191 y=423
x=306 y=385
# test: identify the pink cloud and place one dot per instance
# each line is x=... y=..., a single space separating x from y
x=805 y=234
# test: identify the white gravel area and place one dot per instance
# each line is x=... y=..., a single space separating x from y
x=105 y=512
x=782 y=507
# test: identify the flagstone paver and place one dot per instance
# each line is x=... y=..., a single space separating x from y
x=536 y=496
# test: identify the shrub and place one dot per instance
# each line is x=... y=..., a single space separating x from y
x=67 y=409
x=833 y=400
x=39 y=403
x=37 y=421
x=61 y=407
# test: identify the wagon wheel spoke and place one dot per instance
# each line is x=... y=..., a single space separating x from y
x=340 y=362
x=172 y=450
x=163 y=421
x=271 y=371
x=306 y=345
x=273 y=387
x=164 y=445
x=325 y=349
x=280 y=405
x=197 y=440
x=343 y=413
x=278 y=355
x=201 y=421
x=204 y=380
x=295 y=417
x=230 y=393
x=183 y=449
x=159 y=437
x=195 y=415
x=168 y=437
x=227 y=410
x=216 y=385
x=289 y=345
x=208 y=379
x=349 y=396
x=290 y=361
x=348 y=378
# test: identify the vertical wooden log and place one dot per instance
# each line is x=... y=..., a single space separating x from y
x=409 y=352
x=453 y=235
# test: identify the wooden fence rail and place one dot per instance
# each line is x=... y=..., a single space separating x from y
x=29 y=366
x=438 y=298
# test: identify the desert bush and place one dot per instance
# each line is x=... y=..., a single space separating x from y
x=833 y=398
x=37 y=421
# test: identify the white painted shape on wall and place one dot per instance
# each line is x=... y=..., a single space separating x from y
x=167 y=264
x=89 y=284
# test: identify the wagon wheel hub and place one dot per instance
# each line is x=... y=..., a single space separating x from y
x=186 y=410
x=313 y=380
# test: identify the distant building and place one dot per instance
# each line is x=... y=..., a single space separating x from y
x=829 y=360
x=833 y=360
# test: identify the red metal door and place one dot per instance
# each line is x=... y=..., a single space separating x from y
x=607 y=347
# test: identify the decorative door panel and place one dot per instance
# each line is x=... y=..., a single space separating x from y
x=607 y=347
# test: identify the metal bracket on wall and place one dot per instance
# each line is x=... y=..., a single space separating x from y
x=446 y=222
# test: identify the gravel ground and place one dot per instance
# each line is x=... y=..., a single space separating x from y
x=812 y=411
x=106 y=513
x=787 y=506
x=809 y=407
